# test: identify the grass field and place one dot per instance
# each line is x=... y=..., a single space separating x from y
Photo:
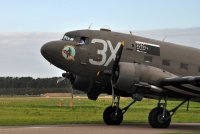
x=38 y=110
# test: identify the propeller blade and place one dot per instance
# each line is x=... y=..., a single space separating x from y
x=118 y=56
x=115 y=73
x=60 y=80
x=72 y=92
x=116 y=62
x=69 y=78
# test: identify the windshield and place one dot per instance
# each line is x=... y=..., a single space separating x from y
x=67 y=38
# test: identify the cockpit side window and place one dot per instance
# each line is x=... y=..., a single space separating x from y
x=67 y=38
x=83 y=41
x=86 y=40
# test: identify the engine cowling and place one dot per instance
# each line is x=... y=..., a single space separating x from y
x=86 y=85
x=130 y=74
x=80 y=83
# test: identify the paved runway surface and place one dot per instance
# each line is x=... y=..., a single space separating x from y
x=101 y=129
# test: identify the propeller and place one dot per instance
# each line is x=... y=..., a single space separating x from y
x=60 y=80
x=67 y=77
x=115 y=68
x=64 y=77
x=115 y=71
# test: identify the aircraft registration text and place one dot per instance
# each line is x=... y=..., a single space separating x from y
x=147 y=48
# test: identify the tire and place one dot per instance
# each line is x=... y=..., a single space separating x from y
x=155 y=118
x=110 y=118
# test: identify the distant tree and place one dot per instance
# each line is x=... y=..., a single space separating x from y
x=31 y=86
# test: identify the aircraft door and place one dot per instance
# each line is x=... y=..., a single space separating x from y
x=81 y=48
x=83 y=54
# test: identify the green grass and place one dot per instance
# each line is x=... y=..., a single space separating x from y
x=36 y=111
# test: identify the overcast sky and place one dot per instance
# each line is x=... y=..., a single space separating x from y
x=26 y=25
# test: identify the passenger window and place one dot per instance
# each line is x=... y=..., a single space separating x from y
x=184 y=66
x=199 y=69
x=166 y=62
x=148 y=59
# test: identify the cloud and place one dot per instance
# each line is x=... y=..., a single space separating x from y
x=187 y=37
x=20 y=52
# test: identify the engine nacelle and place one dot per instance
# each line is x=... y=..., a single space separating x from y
x=130 y=74
x=80 y=83
x=86 y=85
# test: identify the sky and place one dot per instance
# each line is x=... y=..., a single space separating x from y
x=65 y=15
x=26 y=25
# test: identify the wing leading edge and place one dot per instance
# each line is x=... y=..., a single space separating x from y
x=189 y=85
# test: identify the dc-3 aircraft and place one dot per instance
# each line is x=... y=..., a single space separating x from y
x=125 y=65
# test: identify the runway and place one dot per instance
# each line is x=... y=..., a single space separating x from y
x=101 y=129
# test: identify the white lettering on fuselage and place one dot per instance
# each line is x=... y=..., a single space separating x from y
x=102 y=52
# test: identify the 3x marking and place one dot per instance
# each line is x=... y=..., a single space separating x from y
x=103 y=51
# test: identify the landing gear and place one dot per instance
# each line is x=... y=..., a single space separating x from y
x=160 y=117
x=156 y=119
x=113 y=116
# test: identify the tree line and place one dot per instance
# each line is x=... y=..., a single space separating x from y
x=31 y=86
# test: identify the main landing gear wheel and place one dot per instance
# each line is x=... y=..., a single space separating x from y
x=156 y=119
x=113 y=117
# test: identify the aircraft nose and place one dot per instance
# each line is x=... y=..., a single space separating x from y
x=56 y=52
x=50 y=49
x=45 y=49
x=53 y=48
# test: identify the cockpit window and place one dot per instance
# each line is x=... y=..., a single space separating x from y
x=82 y=40
x=67 y=38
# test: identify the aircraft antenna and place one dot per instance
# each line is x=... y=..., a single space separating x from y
x=90 y=26
x=164 y=38
x=131 y=33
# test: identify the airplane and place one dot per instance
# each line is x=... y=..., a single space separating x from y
x=126 y=65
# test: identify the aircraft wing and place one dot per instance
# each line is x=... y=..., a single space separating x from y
x=180 y=80
x=189 y=85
